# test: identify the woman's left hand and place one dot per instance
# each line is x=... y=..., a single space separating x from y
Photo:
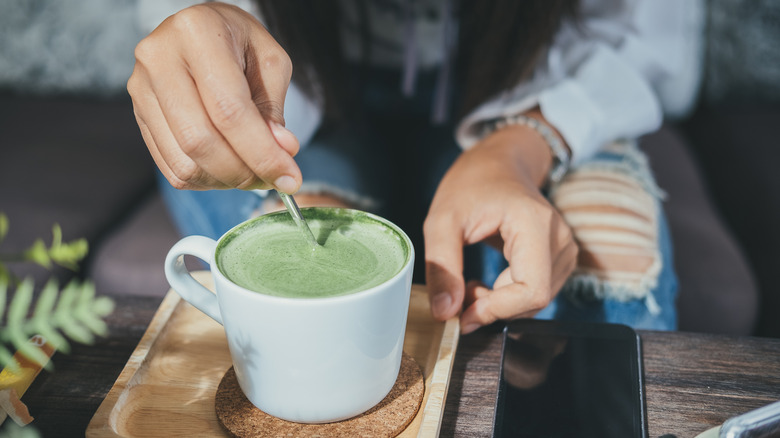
x=491 y=193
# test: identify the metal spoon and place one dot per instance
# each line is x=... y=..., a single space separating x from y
x=295 y=212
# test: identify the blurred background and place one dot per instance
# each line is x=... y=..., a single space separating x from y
x=71 y=153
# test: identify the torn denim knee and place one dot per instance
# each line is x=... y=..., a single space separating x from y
x=612 y=205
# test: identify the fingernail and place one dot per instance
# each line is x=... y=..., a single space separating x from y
x=279 y=130
x=466 y=329
x=440 y=304
x=286 y=184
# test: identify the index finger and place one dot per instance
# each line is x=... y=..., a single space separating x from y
x=225 y=91
x=444 y=265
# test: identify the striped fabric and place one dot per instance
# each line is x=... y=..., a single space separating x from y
x=611 y=204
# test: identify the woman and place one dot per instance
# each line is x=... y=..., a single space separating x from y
x=544 y=98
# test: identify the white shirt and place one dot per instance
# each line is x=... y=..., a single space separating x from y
x=612 y=76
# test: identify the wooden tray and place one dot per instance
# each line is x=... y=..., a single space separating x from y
x=167 y=386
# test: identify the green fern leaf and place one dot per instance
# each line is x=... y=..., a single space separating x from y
x=56 y=235
x=3 y=293
x=5 y=279
x=103 y=306
x=73 y=312
x=15 y=330
x=3 y=226
x=66 y=254
x=40 y=323
x=84 y=312
x=20 y=304
x=17 y=312
x=37 y=253
x=64 y=315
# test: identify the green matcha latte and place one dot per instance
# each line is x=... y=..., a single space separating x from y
x=270 y=255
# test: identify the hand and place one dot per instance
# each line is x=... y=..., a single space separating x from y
x=491 y=194
x=208 y=92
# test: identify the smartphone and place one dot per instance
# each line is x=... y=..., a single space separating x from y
x=570 y=379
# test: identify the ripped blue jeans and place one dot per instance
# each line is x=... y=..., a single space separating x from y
x=654 y=311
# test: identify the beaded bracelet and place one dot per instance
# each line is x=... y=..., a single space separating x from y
x=561 y=155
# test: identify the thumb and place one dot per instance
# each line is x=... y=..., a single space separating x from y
x=268 y=69
x=286 y=139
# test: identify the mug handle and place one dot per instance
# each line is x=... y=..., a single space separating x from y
x=181 y=280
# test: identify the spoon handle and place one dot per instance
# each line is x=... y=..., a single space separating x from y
x=295 y=212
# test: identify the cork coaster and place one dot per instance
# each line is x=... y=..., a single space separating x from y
x=387 y=419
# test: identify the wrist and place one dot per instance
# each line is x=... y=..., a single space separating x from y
x=534 y=125
x=521 y=148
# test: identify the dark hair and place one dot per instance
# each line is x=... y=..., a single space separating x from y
x=499 y=44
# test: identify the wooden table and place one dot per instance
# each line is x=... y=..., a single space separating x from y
x=693 y=381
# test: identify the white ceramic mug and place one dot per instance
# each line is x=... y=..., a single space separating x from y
x=311 y=360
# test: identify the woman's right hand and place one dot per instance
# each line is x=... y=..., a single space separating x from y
x=208 y=93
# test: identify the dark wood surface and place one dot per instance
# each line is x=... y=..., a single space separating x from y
x=693 y=381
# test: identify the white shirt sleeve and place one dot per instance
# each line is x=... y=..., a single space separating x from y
x=302 y=115
x=611 y=76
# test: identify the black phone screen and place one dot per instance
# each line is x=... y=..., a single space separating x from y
x=570 y=379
